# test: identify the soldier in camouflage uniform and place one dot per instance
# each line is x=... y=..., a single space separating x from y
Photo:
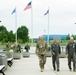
x=41 y=51
x=71 y=53
x=16 y=48
x=55 y=48
x=8 y=46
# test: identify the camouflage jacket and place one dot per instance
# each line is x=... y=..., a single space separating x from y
x=15 y=48
x=41 y=48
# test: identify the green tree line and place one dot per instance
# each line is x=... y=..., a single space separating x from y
x=68 y=37
x=22 y=34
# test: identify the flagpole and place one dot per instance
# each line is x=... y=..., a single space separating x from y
x=48 y=25
x=31 y=23
x=16 y=24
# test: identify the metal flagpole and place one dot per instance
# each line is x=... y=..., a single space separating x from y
x=31 y=23
x=16 y=24
x=48 y=25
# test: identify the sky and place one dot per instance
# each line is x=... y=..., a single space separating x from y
x=62 y=16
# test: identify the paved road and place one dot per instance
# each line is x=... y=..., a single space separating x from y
x=29 y=66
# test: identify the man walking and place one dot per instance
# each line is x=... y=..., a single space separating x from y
x=71 y=53
x=55 y=48
x=41 y=51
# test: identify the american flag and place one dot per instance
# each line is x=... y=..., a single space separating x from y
x=28 y=6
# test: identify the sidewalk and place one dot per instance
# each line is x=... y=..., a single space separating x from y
x=29 y=66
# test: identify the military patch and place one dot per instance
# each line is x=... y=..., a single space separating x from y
x=73 y=45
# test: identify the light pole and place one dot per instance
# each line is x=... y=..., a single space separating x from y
x=29 y=40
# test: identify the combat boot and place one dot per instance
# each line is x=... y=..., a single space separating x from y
x=74 y=70
x=41 y=70
x=54 y=69
x=70 y=69
x=58 y=70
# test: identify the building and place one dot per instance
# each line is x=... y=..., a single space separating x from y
x=51 y=37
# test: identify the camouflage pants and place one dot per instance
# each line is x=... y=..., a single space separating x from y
x=42 y=61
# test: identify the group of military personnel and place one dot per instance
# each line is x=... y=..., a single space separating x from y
x=42 y=49
x=16 y=47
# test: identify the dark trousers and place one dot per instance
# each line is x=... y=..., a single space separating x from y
x=71 y=58
x=55 y=60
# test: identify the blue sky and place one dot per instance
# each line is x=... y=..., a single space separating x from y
x=62 y=16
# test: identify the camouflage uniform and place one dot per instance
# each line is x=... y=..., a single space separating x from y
x=41 y=51
x=16 y=48
x=8 y=46
x=55 y=48
x=71 y=51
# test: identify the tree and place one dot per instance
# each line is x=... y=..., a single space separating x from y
x=68 y=37
x=74 y=36
x=20 y=41
x=22 y=33
x=3 y=34
x=11 y=36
